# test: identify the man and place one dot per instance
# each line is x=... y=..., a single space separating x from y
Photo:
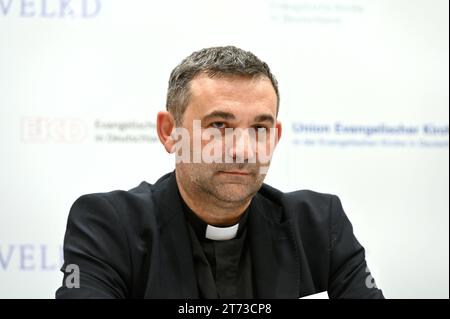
x=211 y=228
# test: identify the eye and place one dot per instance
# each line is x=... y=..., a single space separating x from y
x=218 y=125
x=261 y=128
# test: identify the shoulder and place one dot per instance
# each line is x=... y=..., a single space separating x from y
x=128 y=212
x=314 y=215
x=117 y=201
x=301 y=203
x=137 y=199
x=131 y=210
x=120 y=199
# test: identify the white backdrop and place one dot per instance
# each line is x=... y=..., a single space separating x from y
x=364 y=103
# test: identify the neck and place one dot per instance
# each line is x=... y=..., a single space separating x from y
x=211 y=210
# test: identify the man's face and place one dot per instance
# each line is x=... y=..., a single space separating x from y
x=229 y=104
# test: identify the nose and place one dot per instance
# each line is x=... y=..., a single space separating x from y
x=241 y=146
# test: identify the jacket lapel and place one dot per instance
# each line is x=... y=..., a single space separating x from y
x=274 y=250
x=176 y=267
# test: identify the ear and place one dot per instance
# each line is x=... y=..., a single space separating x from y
x=279 y=129
x=164 y=126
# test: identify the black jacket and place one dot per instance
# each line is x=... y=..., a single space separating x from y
x=135 y=244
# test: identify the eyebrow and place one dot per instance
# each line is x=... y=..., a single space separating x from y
x=219 y=114
x=265 y=118
x=230 y=116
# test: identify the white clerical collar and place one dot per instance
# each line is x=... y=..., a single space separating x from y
x=221 y=233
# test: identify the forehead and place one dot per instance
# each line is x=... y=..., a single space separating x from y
x=234 y=93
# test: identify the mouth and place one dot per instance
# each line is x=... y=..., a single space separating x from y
x=236 y=173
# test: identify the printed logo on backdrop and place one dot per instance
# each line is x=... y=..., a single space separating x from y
x=314 y=12
x=387 y=135
x=51 y=9
x=134 y=131
x=30 y=257
x=44 y=130
x=39 y=129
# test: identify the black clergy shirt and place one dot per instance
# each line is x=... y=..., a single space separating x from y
x=222 y=267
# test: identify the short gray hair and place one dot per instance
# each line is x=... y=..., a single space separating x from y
x=214 y=62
